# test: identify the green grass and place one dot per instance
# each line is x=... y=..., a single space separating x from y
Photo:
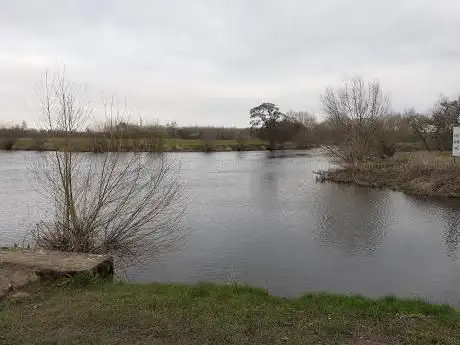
x=86 y=144
x=223 y=142
x=218 y=145
x=117 y=313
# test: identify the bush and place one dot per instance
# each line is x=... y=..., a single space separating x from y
x=7 y=144
x=410 y=147
x=39 y=144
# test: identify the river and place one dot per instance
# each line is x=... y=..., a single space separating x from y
x=266 y=222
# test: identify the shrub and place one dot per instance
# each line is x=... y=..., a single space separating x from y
x=7 y=144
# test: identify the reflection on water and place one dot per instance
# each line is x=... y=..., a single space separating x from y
x=266 y=222
x=353 y=222
x=448 y=212
x=452 y=230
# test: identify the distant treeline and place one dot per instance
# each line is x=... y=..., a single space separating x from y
x=200 y=138
x=407 y=131
x=313 y=132
x=132 y=137
x=135 y=130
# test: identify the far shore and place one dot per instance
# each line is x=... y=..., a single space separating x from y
x=98 y=145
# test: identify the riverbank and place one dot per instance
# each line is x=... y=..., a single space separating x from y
x=98 y=144
x=73 y=312
x=431 y=174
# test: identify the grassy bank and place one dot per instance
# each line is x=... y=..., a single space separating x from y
x=110 y=313
x=98 y=144
x=433 y=174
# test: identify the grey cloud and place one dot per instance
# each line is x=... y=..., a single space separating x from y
x=209 y=61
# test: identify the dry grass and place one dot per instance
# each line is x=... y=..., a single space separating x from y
x=106 y=313
x=417 y=173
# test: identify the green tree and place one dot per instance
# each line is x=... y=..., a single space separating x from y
x=269 y=123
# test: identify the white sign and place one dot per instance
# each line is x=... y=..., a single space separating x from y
x=456 y=142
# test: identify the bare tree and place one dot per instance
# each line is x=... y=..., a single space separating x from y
x=305 y=118
x=421 y=126
x=446 y=115
x=355 y=108
x=306 y=121
x=208 y=135
x=126 y=204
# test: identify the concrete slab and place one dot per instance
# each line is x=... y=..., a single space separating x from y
x=13 y=277
x=19 y=267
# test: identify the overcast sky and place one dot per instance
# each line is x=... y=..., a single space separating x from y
x=208 y=62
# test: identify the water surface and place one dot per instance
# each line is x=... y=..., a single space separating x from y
x=267 y=223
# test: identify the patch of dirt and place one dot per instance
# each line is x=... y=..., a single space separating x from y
x=368 y=341
x=20 y=295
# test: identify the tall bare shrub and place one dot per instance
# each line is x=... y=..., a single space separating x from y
x=126 y=204
x=355 y=108
x=306 y=122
